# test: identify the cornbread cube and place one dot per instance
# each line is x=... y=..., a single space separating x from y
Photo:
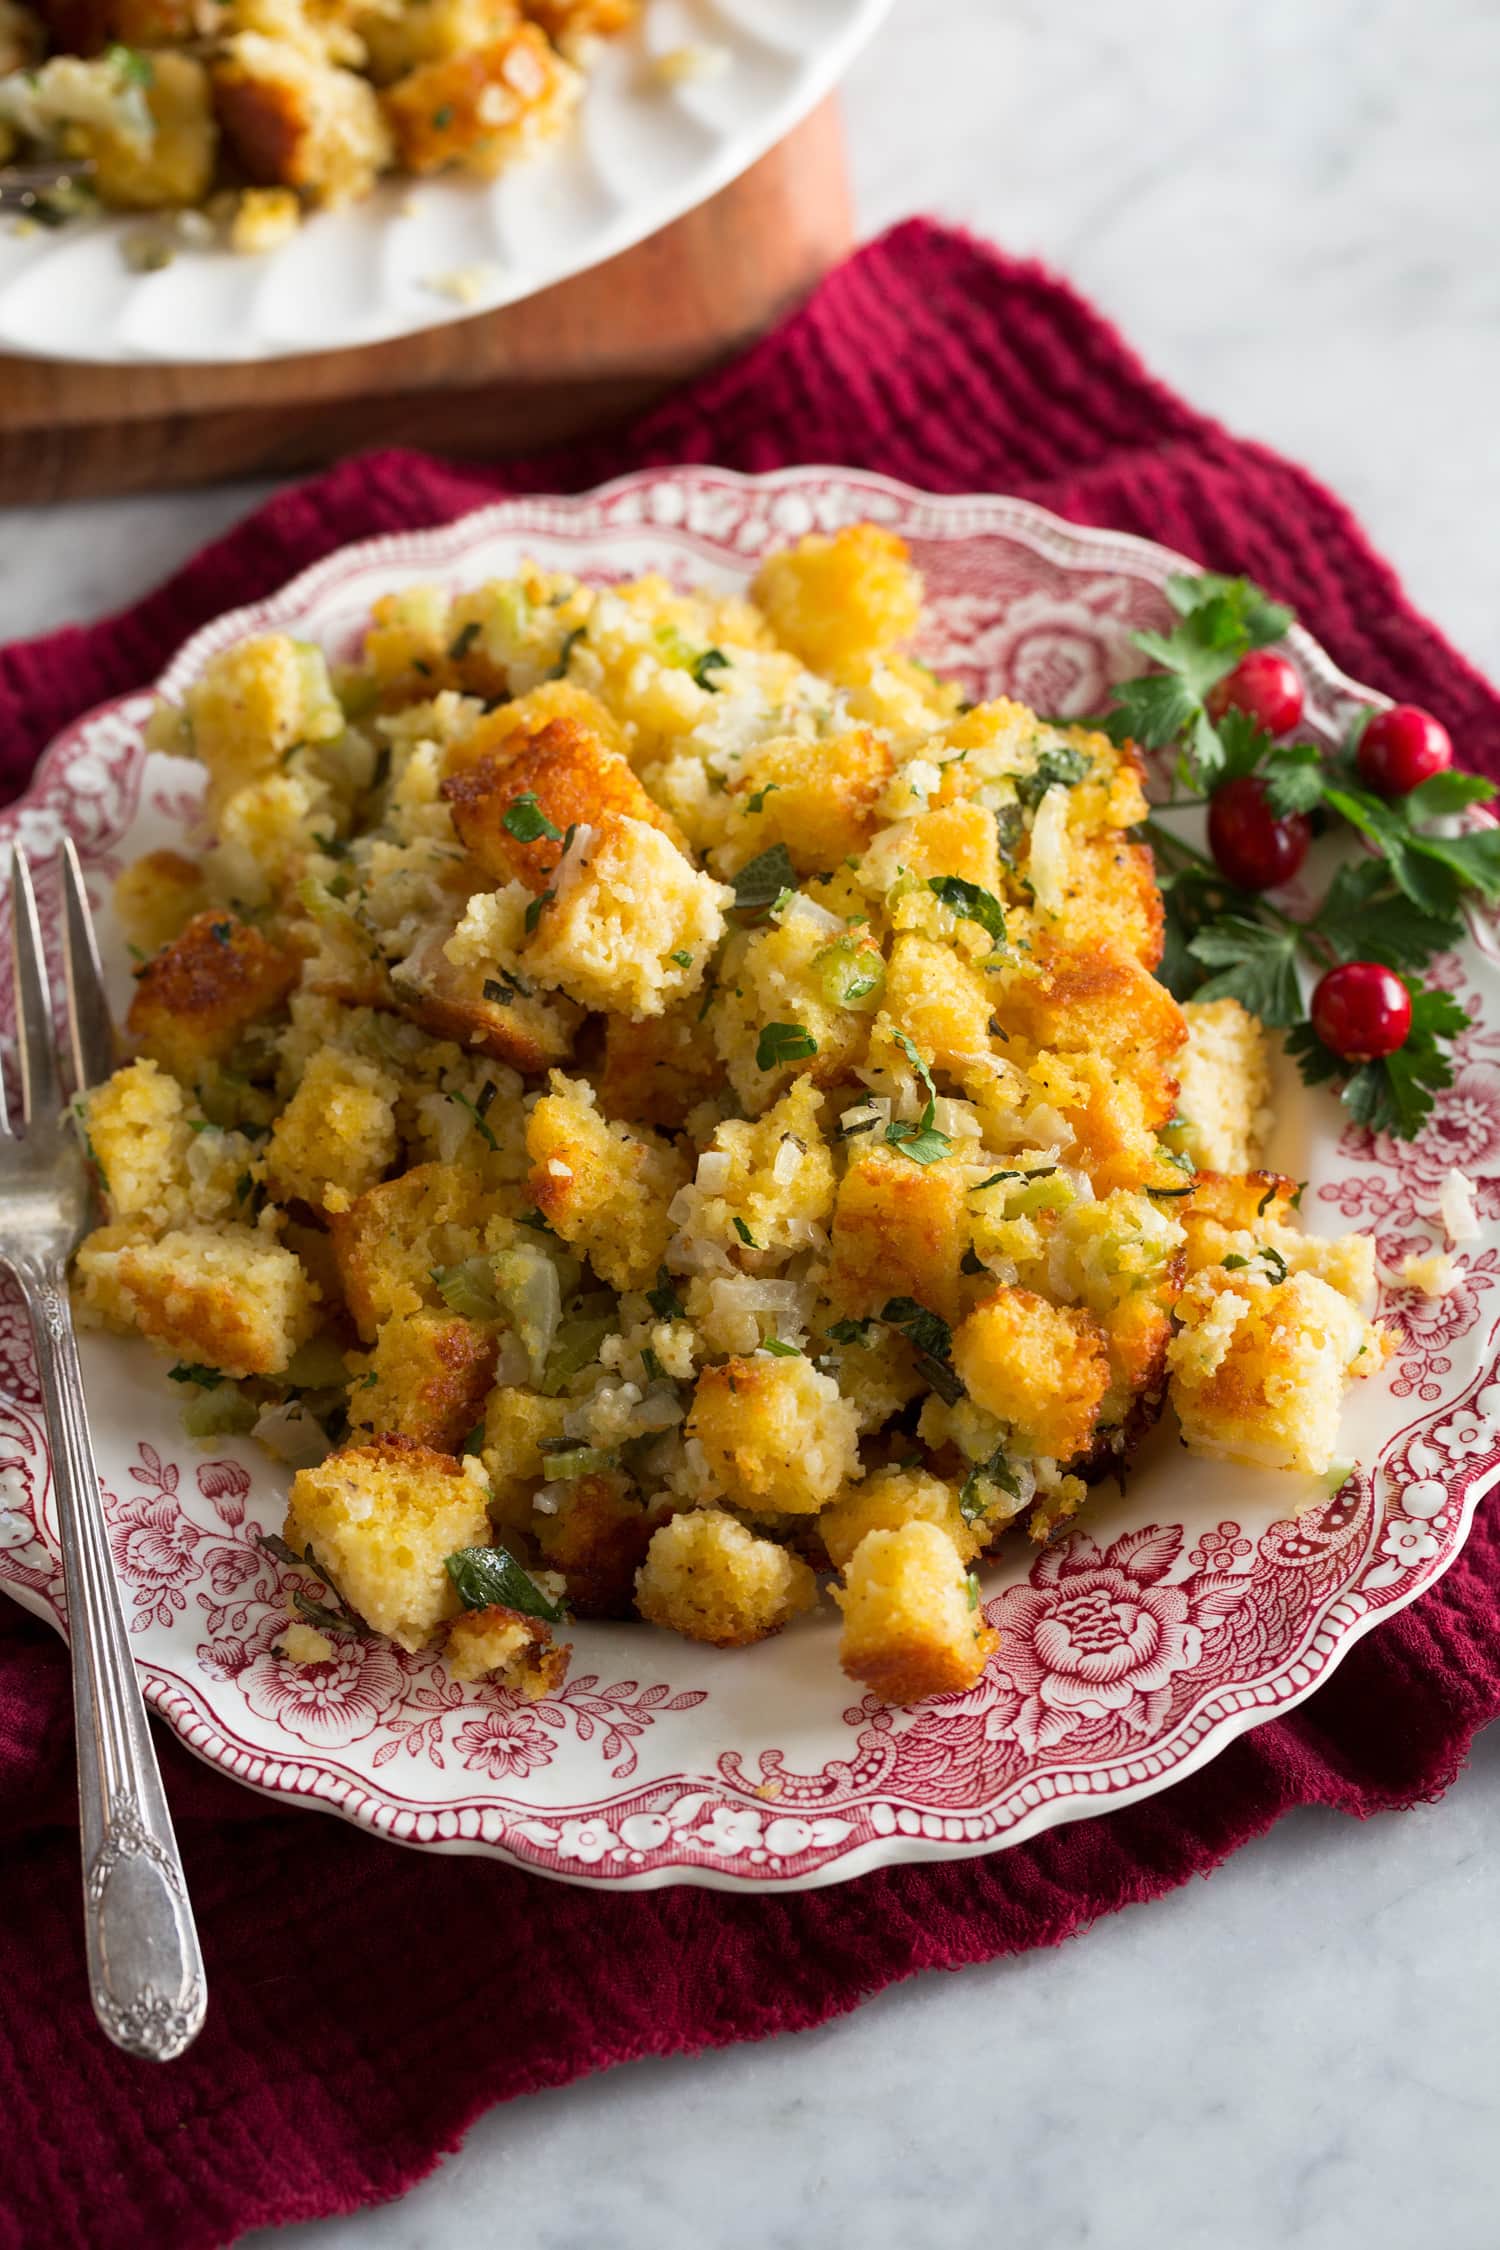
x=263 y=219
x=1223 y=1087
x=266 y=831
x=155 y=895
x=947 y=839
x=422 y=31
x=195 y=998
x=528 y=714
x=598 y=1540
x=391 y=1237
x=1111 y=898
x=912 y=1624
x=658 y=1070
x=1103 y=1005
x=566 y=20
x=383 y=1518
x=172 y=160
x=1113 y=1117
x=1258 y=1369
x=776 y=975
x=160 y=1162
x=1246 y=1218
x=632 y=924
x=517 y=1423
x=484 y=108
x=604 y=1189
x=878 y=1376
x=705 y=1576
x=899 y=1230
x=337 y=1134
x=841 y=603
x=293 y=120
x=778 y=1180
x=778 y=1435
x=427 y=1378
x=942 y=1004
x=466 y=984
x=574 y=778
x=889 y=1499
x=252 y=704
x=1039 y=1368
x=514 y=1651
x=817 y=798
x=220 y=1296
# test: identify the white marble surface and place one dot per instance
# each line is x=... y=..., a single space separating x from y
x=1291 y=208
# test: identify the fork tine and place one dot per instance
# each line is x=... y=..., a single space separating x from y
x=90 y=1031
x=40 y=1095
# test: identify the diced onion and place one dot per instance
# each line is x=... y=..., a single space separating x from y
x=715 y=1169
x=1457 y=1208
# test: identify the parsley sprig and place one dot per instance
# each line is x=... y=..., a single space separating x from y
x=1399 y=901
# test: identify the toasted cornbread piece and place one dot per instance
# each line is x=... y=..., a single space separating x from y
x=1244 y=1221
x=659 y=1069
x=517 y=1423
x=251 y=705
x=912 y=1622
x=572 y=776
x=601 y=1187
x=220 y=1296
x=337 y=1134
x=383 y=1518
x=467 y=984
x=775 y=1176
x=889 y=1499
x=1104 y=1006
x=423 y=31
x=1041 y=1369
x=899 y=1230
x=296 y=121
x=1258 y=1368
x=391 y=1237
x=817 y=798
x=577 y=19
x=841 y=603
x=172 y=161
x=705 y=1576
x=427 y=1378
x=483 y=108
x=530 y=713
x=514 y=1651
x=939 y=1001
x=782 y=975
x=779 y=1437
x=598 y=1540
x=194 y=999
x=160 y=1163
x=1223 y=1087
x=632 y=922
x=155 y=895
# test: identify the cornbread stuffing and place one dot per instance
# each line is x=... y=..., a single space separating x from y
x=243 y=115
x=648 y=1102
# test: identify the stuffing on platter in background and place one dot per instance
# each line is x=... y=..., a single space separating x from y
x=652 y=1105
x=249 y=113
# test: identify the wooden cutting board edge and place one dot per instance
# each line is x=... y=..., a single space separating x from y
x=590 y=350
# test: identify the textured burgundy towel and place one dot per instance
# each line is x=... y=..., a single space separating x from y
x=315 y=2088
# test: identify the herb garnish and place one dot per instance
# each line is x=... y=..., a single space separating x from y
x=921 y=1142
x=488 y=1577
x=526 y=821
x=783 y=1043
x=761 y=881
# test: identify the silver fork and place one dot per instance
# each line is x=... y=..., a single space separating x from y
x=145 y=1970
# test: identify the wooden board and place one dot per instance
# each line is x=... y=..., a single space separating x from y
x=587 y=351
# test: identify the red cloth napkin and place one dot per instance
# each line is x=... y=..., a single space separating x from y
x=315 y=2087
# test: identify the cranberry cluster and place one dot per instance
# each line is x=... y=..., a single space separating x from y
x=1362 y=1010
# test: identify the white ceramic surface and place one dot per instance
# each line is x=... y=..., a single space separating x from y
x=1131 y=1651
x=639 y=154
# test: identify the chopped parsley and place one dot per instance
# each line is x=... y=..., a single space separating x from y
x=533 y=912
x=783 y=1043
x=921 y=1142
x=1058 y=763
x=186 y=1371
x=744 y=1233
x=663 y=1299
x=559 y=670
x=463 y=641
x=712 y=660
x=931 y=1339
x=757 y=798
x=852 y=1332
x=526 y=821
x=972 y=903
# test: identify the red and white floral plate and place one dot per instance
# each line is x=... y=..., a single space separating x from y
x=1205 y=1600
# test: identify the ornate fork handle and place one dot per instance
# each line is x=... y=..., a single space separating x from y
x=145 y=1969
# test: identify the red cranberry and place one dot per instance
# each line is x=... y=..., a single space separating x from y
x=1255 y=850
x=1362 y=1011
x=1265 y=687
x=1402 y=747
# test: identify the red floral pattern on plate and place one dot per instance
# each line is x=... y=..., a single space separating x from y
x=1130 y=1651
